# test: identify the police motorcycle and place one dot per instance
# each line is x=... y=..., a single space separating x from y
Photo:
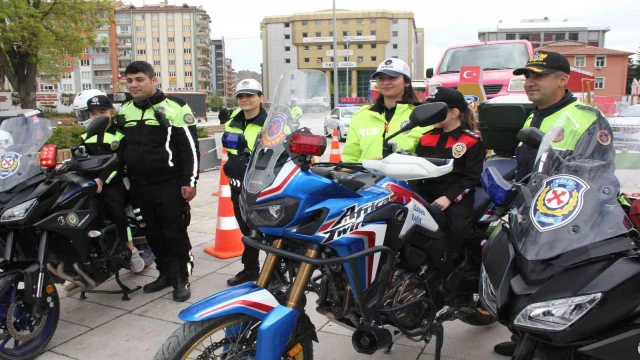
x=51 y=232
x=562 y=270
x=369 y=246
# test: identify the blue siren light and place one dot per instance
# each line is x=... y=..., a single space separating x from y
x=498 y=189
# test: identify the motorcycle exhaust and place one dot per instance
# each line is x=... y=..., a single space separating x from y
x=370 y=340
x=75 y=284
x=89 y=280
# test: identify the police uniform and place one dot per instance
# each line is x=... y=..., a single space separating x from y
x=468 y=152
x=161 y=157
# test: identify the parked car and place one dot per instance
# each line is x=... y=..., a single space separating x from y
x=339 y=118
x=626 y=128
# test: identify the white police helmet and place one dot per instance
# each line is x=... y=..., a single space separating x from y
x=80 y=107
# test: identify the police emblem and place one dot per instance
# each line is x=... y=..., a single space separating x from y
x=558 y=202
x=115 y=144
x=274 y=133
x=189 y=119
x=556 y=134
x=472 y=101
x=72 y=219
x=458 y=150
x=9 y=164
x=604 y=137
x=537 y=57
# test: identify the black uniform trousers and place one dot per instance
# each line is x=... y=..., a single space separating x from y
x=114 y=198
x=166 y=215
x=461 y=221
x=250 y=254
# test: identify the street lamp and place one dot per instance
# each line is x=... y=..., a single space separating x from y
x=347 y=69
x=335 y=58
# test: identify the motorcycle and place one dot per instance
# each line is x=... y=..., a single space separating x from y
x=379 y=248
x=562 y=270
x=53 y=233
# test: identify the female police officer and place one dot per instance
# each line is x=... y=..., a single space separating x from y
x=247 y=120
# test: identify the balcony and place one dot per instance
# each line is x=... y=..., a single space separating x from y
x=123 y=21
x=204 y=67
x=203 y=45
x=102 y=66
x=202 y=21
x=124 y=56
x=123 y=34
x=126 y=45
x=204 y=55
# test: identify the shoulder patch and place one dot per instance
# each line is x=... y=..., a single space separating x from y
x=471 y=133
x=176 y=100
x=189 y=119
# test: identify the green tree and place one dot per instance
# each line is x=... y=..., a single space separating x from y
x=634 y=70
x=215 y=102
x=38 y=36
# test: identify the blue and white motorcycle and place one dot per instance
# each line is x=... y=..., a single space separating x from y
x=372 y=249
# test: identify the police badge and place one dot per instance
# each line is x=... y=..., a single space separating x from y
x=115 y=144
x=558 y=202
x=9 y=164
x=458 y=150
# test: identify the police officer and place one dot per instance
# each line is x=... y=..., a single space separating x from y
x=162 y=163
x=387 y=115
x=547 y=75
x=454 y=138
x=296 y=111
x=586 y=135
x=248 y=119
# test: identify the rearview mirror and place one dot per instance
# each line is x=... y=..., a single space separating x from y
x=429 y=73
x=531 y=137
x=428 y=114
x=97 y=126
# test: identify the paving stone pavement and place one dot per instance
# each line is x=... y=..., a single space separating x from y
x=103 y=327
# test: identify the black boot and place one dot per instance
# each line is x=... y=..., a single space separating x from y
x=506 y=348
x=163 y=281
x=180 y=280
x=249 y=273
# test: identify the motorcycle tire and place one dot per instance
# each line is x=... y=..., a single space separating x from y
x=526 y=349
x=191 y=335
x=10 y=299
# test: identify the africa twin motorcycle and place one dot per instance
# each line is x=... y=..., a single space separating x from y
x=52 y=233
x=563 y=269
x=379 y=249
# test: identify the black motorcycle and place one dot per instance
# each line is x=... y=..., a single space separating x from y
x=53 y=232
x=562 y=271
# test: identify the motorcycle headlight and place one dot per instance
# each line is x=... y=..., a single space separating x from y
x=516 y=84
x=556 y=315
x=276 y=213
x=489 y=299
x=18 y=212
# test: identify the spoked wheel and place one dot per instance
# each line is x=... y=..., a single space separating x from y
x=24 y=336
x=228 y=337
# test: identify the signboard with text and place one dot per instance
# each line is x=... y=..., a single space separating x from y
x=328 y=39
x=180 y=89
x=341 y=52
x=341 y=64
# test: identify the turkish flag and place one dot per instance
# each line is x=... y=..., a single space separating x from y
x=470 y=74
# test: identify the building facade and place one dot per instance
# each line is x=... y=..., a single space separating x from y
x=609 y=67
x=230 y=81
x=365 y=38
x=218 y=84
x=540 y=32
x=174 y=39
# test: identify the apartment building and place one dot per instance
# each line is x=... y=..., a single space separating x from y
x=174 y=39
x=230 y=80
x=365 y=38
x=218 y=83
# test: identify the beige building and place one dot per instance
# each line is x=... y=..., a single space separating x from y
x=365 y=38
x=174 y=39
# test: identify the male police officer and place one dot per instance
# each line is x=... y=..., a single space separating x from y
x=585 y=134
x=162 y=163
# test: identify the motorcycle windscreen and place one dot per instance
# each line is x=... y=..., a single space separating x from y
x=270 y=153
x=572 y=198
x=20 y=140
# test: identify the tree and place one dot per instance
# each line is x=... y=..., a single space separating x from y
x=216 y=102
x=634 y=70
x=39 y=37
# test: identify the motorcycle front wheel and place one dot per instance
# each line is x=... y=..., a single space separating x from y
x=228 y=337
x=22 y=337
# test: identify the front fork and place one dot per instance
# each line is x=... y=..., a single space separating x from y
x=302 y=277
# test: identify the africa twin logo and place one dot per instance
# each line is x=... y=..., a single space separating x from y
x=351 y=219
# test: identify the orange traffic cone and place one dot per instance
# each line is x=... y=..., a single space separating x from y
x=228 y=243
x=334 y=156
x=223 y=177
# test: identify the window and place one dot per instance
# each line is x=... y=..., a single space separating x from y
x=66 y=63
x=154 y=17
x=594 y=43
x=373 y=32
x=574 y=36
x=172 y=74
x=172 y=62
x=102 y=73
x=66 y=75
x=374 y=46
x=171 y=39
x=86 y=74
x=86 y=50
x=319 y=60
x=155 y=28
x=304 y=35
x=157 y=74
x=140 y=52
x=394 y=33
x=345 y=33
x=318 y=33
x=67 y=87
x=84 y=62
x=306 y=60
x=318 y=22
x=359 y=21
x=159 y=86
x=345 y=58
x=374 y=58
x=187 y=62
x=305 y=23
x=157 y=51
x=170 y=28
x=186 y=28
x=169 y=16
x=373 y=20
x=345 y=21
x=287 y=48
x=140 y=40
x=360 y=46
x=601 y=61
x=186 y=16
x=395 y=46
x=86 y=86
x=188 y=84
x=140 y=28
x=360 y=59
x=188 y=74
x=287 y=25
x=287 y=61
x=359 y=33
x=187 y=39
x=187 y=50
x=139 y=16
x=319 y=47
x=580 y=61
x=156 y=40
x=344 y=46
x=171 y=51
x=511 y=36
x=395 y=57
x=156 y=62
x=394 y=21
x=598 y=83
x=287 y=36
x=306 y=48
x=331 y=33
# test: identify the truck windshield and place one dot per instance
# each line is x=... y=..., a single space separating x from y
x=489 y=56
